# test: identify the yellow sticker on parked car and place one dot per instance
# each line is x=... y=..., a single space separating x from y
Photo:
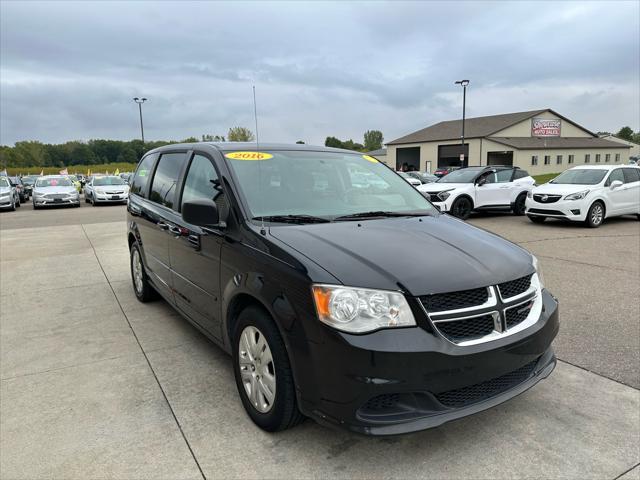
x=249 y=155
x=370 y=158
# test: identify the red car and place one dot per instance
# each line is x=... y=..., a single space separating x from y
x=441 y=172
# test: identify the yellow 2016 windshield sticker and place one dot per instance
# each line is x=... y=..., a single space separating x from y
x=370 y=158
x=249 y=155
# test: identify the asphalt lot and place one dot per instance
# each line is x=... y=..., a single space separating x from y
x=96 y=385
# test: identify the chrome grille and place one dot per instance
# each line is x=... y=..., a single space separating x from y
x=515 y=287
x=516 y=315
x=468 y=328
x=453 y=301
x=53 y=196
x=542 y=198
x=464 y=396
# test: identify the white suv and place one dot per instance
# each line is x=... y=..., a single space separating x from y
x=480 y=188
x=588 y=193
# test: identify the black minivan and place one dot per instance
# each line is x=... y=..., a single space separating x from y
x=341 y=293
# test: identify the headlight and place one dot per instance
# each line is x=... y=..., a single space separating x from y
x=444 y=195
x=538 y=268
x=5 y=194
x=100 y=191
x=359 y=310
x=577 y=196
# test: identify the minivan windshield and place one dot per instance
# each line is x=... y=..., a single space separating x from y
x=464 y=175
x=4 y=182
x=102 y=181
x=580 y=176
x=323 y=185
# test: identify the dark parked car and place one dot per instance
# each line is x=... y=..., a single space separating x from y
x=20 y=188
x=424 y=177
x=441 y=172
x=315 y=289
x=28 y=182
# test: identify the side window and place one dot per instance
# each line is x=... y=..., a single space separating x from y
x=489 y=177
x=520 y=174
x=504 y=176
x=163 y=187
x=631 y=175
x=199 y=184
x=141 y=177
x=615 y=175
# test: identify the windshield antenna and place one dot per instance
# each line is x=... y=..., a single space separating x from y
x=255 y=116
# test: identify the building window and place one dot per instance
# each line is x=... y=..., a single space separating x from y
x=570 y=159
x=617 y=157
x=587 y=157
x=547 y=159
x=559 y=159
x=607 y=157
x=534 y=159
x=597 y=158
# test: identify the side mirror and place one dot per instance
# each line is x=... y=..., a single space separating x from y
x=616 y=184
x=203 y=213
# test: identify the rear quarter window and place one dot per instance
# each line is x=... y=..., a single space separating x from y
x=142 y=175
x=520 y=174
x=631 y=175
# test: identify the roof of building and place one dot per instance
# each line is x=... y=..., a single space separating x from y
x=474 y=127
x=540 y=143
x=379 y=152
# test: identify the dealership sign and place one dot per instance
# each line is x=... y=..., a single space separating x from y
x=545 y=127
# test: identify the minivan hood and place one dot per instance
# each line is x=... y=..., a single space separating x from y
x=420 y=255
x=440 y=187
x=562 y=189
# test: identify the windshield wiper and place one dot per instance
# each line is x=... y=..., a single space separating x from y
x=299 y=218
x=381 y=213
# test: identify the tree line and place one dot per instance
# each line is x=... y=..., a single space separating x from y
x=33 y=153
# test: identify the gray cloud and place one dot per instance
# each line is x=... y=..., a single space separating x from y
x=69 y=70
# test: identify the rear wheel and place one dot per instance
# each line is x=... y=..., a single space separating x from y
x=263 y=373
x=595 y=216
x=519 y=205
x=535 y=219
x=141 y=286
x=461 y=208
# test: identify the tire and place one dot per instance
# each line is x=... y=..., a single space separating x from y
x=535 y=219
x=142 y=288
x=461 y=208
x=35 y=207
x=519 y=205
x=271 y=413
x=595 y=215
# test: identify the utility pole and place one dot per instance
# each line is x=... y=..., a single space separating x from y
x=464 y=84
x=140 y=101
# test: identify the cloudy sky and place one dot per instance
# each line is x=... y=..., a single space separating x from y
x=69 y=70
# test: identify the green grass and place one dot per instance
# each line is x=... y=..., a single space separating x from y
x=101 y=168
x=540 y=179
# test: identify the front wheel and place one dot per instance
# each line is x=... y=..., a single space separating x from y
x=535 y=219
x=263 y=373
x=461 y=208
x=595 y=216
x=519 y=205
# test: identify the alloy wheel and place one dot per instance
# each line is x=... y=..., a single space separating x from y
x=137 y=271
x=597 y=214
x=257 y=369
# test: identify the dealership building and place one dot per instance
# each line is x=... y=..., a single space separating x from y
x=539 y=141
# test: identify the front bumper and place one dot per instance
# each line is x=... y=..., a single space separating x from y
x=108 y=198
x=575 y=210
x=5 y=202
x=48 y=202
x=404 y=380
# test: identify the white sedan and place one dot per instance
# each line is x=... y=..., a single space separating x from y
x=412 y=180
x=588 y=193
x=106 y=189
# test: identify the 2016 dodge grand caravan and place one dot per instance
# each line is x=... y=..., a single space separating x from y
x=341 y=293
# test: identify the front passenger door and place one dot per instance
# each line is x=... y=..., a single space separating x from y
x=195 y=254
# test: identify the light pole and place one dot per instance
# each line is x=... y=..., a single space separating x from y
x=140 y=101
x=464 y=84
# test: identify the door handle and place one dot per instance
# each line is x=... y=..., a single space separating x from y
x=176 y=230
x=194 y=241
x=134 y=211
x=163 y=226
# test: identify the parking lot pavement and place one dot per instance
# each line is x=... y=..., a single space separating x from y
x=96 y=385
